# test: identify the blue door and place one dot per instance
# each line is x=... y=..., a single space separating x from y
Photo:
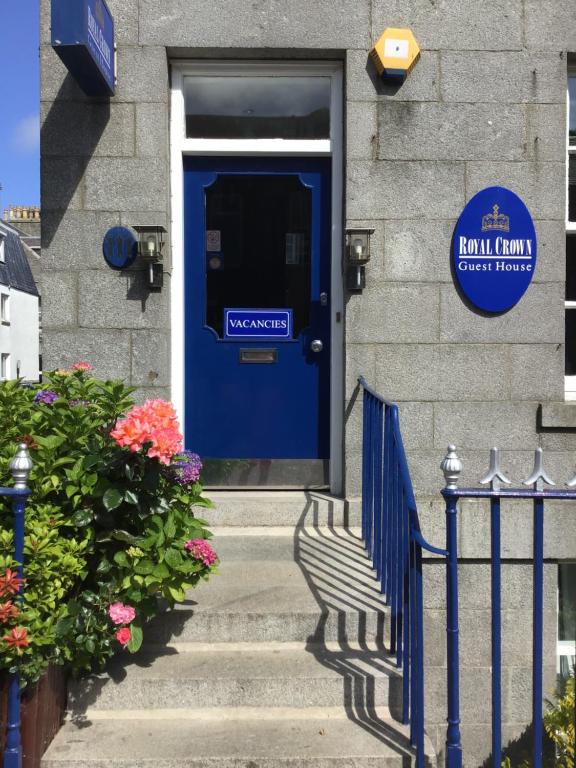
x=257 y=337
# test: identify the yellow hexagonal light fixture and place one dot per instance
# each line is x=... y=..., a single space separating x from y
x=395 y=53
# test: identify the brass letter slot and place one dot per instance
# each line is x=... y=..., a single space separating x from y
x=258 y=355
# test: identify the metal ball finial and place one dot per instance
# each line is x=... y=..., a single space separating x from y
x=20 y=466
x=451 y=466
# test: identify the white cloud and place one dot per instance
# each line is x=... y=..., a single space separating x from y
x=26 y=137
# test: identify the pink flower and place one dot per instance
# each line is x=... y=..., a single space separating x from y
x=121 y=614
x=82 y=366
x=201 y=550
x=156 y=423
x=123 y=636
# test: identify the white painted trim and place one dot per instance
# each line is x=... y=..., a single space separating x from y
x=238 y=147
x=180 y=145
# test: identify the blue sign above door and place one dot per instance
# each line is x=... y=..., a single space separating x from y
x=494 y=249
x=83 y=37
x=273 y=324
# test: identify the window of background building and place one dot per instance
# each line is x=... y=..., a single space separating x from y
x=570 y=302
x=4 y=308
x=2 y=250
x=566 y=647
x=4 y=366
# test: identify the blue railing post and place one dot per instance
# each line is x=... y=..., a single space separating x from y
x=20 y=467
x=452 y=466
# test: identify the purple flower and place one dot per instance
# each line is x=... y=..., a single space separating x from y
x=78 y=402
x=186 y=468
x=46 y=396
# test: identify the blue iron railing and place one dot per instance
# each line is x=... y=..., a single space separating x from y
x=452 y=467
x=391 y=532
x=394 y=542
x=20 y=467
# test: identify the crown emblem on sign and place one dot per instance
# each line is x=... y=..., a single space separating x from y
x=495 y=220
x=99 y=13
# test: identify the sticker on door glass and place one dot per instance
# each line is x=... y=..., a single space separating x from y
x=213 y=240
x=258 y=324
x=296 y=247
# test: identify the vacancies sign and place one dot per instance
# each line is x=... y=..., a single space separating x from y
x=83 y=37
x=494 y=249
x=258 y=324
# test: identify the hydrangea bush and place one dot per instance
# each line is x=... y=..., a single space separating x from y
x=111 y=536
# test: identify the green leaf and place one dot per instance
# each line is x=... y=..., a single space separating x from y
x=90 y=645
x=82 y=518
x=173 y=558
x=170 y=527
x=161 y=572
x=121 y=558
x=104 y=566
x=124 y=536
x=51 y=442
x=136 y=638
x=73 y=607
x=131 y=498
x=112 y=499
x=144 y=567
x=177 y=594
x=91 y=461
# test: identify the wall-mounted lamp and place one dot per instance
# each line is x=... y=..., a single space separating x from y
x=150 y=245
x=357 y=256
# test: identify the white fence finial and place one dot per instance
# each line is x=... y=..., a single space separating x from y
x=538 y=476
x=495 y=475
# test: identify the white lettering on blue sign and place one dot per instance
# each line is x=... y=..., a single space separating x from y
x=258 y=323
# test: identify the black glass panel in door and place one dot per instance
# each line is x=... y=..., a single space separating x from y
x=258 y=247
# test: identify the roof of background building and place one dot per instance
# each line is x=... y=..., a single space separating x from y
x=15 y=271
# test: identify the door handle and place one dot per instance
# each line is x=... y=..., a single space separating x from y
x=316 y=345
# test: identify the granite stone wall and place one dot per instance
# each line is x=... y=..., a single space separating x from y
x=485 y=105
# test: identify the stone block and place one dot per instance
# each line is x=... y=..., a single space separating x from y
x=353 y=472
x=418 y=251
x=466 y=25
x=122 y=184
x=76 y=128
x=62 y=182
x=107 y=350
x=353 y=423
x=537 y=371
x=437 y=371
x=551 y=263
x=558 y=415
x=151 y=358
x=125 y=13
x=359 y=362
x=546 y=132
x=404 y=190
x=120 y=300
x=511 y=77
x=85 y=229
x=59 y=299
x=151 y=393
x=55 y=80
x=434 y=636
x=550 y=25
x=417 y=425
x=260 y=24
x=364 y=84
x=362 y=131
x=152 y=135
x=394 y=313
x=432 y=131
x=142 y=73
x=537 y=318
x=476 y=425
x=542 y=186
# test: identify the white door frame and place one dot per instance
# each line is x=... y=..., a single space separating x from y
x=332 y=147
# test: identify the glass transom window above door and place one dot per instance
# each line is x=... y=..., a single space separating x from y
x=227 y=107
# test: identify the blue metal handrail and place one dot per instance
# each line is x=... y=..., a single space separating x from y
x=391 y=532
x=20 y=467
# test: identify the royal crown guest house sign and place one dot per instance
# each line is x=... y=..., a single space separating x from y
x=494 y=250
x=83 y=37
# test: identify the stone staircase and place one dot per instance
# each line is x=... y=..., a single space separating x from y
x=278 y=662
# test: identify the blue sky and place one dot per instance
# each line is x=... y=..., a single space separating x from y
x=20 y=94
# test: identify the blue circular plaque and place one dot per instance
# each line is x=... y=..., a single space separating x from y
x=120 y=247
x=494 y=249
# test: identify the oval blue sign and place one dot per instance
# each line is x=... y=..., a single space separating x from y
x=120 y=247
x=494 y=249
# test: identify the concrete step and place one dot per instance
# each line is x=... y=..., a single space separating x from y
x=308 y=585
x=353 y=740
x=253 y=677
x=289 y=508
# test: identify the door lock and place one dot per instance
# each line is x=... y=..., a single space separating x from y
x=316 y=345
